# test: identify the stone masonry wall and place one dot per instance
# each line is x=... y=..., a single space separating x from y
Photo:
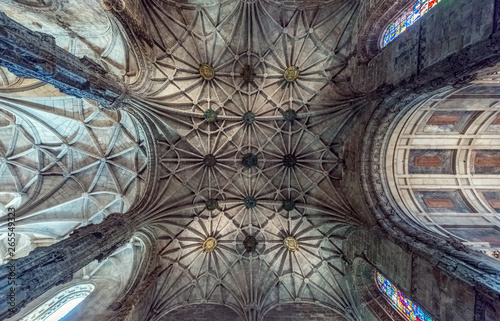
x=444 y=297
x=447 y=28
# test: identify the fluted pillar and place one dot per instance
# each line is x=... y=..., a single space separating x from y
x=25 y=279
x=31 y=54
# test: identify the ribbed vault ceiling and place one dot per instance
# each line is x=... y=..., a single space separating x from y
x=249 y=99
x=246 y=152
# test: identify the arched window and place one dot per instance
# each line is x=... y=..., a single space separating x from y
x=61 y=304
x=400 y=302
x=406 y=19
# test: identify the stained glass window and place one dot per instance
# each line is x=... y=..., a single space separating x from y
x=407 y=18
x=408 y=309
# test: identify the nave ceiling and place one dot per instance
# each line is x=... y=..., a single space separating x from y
x=249 y=100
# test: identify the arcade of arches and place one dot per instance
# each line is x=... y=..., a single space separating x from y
x=248 y=160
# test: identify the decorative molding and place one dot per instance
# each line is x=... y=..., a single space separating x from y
x=377 y=15
x=138 y=38
x=447 y=254
x=366 y=287
x=142 y=284
x=60 y=299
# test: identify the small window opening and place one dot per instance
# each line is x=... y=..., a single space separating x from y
x=409 y=310
x=406 y=19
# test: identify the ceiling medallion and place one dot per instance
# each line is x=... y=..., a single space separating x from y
x=248 y=118
x=249 y=160
x=209 y=245
x=291 y=73
x=210 y=115
x=250 y=243
x=212 y=204
x=250 y=202
x=247 y=74
x=206 y=71
x=288 y=205
x=289 y=160
x=291 y=244
x=209 y=160
x=290 y=115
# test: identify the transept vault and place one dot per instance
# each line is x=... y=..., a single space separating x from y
x=220 y=159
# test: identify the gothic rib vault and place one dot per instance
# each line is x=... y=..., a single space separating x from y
x=249 y=150
x=248 y=103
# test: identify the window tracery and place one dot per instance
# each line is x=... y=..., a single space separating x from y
x=407 y=18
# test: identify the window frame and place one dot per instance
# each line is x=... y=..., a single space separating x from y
x=396 y=17
x=389 y=301
x=50 y=306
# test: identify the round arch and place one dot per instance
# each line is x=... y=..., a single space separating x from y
x=80 y=291
x=443 y=165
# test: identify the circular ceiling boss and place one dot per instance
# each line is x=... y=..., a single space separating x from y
x=210 y=115
x=291 y=73
x=291 y=244
x=206 y=71
x=209 y=244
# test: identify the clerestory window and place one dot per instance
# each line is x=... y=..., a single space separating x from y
x=406 y=19
x=409 y=310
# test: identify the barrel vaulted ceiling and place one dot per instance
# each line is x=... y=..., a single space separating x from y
x=249 y=99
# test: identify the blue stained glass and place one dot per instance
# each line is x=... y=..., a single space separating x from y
x=407 y=18
x=408 y=309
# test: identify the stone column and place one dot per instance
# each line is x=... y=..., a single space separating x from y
x=31 y=54
x=137 y=299
x=133 y=304
x=25 y=279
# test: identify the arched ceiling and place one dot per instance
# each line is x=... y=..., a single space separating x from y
x=250 y=100
x=81 y=27
x=247 y=149
x=65 y=162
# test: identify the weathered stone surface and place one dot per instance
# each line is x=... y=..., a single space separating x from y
x=47 y=267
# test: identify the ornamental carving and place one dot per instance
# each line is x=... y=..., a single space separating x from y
x=291 y=244
x=209 y=244
x=291 y=74
x=207 y=71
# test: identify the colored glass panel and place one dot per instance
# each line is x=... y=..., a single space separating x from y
x=407 y=18
x=408 y=309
